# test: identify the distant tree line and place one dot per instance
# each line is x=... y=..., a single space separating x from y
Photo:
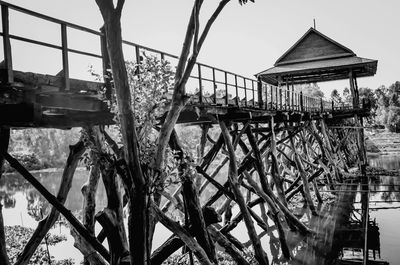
x=385 y=104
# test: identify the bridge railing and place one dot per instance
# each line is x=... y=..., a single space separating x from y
x=210 y=85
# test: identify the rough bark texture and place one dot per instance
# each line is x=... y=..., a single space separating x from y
x=183 y=234
x=233 y=178
x=196 y=219
x=138 y=222
x=89 y=253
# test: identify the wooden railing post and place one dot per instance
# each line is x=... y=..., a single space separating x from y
x=137 y=54
x=245 y=92
x=322 y=106
x=293 y=96
x=252 y=89
x=214 y=85
x=272 y=98
x=301 y=101
x=266 y=95
x=226 y=89
x=64 y=46
x=106 y=64
x=200 y=84
x=237 y=91
x=7 y=75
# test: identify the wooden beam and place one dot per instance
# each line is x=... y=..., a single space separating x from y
x=59 y=206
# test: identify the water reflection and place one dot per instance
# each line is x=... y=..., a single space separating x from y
x=37 y=207
x=389 y=162
x=24 y=205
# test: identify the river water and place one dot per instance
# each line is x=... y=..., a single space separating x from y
x=384 y=207
x=21 y=202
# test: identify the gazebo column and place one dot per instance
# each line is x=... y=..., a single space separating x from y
x=362 y=160
x=260 y=93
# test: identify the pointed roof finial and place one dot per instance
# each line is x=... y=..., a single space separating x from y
x=315 y=27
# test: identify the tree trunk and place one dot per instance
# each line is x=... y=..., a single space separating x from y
x=139 y=196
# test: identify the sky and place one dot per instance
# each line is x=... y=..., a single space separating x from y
x=244 y=39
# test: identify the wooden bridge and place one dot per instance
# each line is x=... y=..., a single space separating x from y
x=41 y=100
x=290 y=139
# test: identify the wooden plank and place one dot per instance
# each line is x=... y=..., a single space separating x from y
x=36 y=81
x=71 y=102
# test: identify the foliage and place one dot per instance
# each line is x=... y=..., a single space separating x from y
x=49 y=146
x=149 y=91
x=151 y=83
x=28 y=159
x=222 y=257
x=384 y=102
x=311 y=90
x=387 y=106
x=16 y=238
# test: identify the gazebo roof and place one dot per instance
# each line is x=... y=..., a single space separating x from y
x=317 y=58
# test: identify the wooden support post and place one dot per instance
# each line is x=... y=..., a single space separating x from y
x=228 y=246
x=183 y=234
x=8 y=74
x=45 y=225
x=274 y=164
x=303 y=174
x=173 y=243
x=196 y=219
x=4 y=141
x=112 y=217
x=233 y=177
x=53 y=201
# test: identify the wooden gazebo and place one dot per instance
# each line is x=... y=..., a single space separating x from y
x=318 y=58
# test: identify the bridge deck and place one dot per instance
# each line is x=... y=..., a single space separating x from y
x=35 y=100
x=39 y=100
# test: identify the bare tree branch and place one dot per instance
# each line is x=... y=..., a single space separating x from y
x=196 y=25
x=195 y=53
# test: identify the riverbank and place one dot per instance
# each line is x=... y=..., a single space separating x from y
x=382 y=142
x=17 y=236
